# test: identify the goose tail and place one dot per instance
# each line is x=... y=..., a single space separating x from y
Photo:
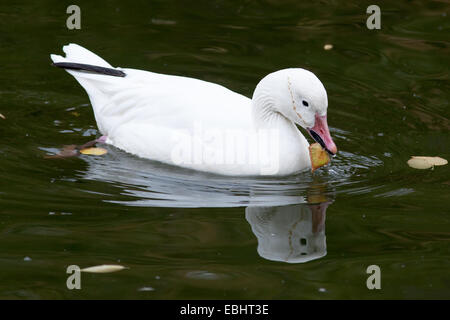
x=93 y=73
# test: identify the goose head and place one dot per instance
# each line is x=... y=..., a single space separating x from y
x=298 y=95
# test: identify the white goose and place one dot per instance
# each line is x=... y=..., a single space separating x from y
x=201 y=125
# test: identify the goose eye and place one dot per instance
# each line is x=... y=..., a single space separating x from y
x=305 y=103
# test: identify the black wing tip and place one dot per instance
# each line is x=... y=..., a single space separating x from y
x=89 y=68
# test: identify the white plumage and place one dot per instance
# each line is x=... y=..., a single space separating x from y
x=202 y=125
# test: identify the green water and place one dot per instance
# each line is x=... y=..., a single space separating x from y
x=189 y=235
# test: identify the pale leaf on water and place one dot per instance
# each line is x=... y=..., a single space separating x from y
x=422 y=162
x=104 y=268
x=2 y=116
x=94 y=151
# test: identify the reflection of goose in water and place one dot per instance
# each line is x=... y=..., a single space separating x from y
x=293 y=234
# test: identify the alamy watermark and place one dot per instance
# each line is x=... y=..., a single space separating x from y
x=74 y=20
x=374 y=20
x=216 y=146
x=74 y=280
x=374 y=280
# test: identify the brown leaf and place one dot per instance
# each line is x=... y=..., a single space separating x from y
x=66 y=152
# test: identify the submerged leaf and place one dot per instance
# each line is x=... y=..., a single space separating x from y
x=422 y=162
x=319 y=157
x=104 y=268
x=87 y=148
x=94 y=151
x=66 y=152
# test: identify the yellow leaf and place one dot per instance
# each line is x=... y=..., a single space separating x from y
x=422 y=162
x=94 y=151
x=104 y=268
x=319 y=157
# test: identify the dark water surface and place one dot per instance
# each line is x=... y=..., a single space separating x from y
x=192 y=235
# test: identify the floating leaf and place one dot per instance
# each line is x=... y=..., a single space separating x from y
x=2 y=116
x=421 y=162
x=319 y=157
x=94 y=151
x=104 y=268
x=328 y=46
x=66 y=152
